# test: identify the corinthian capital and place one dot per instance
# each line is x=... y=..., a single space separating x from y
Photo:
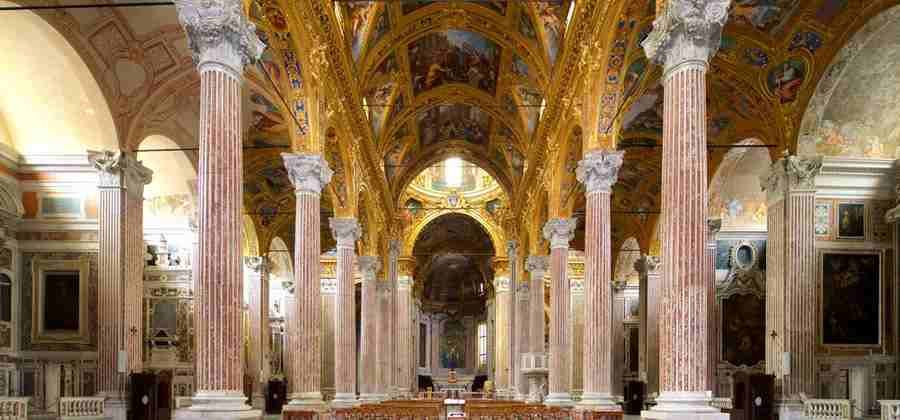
x=255 y=265
x=599 y=169
x=788 y=174
x=345 y=231
x=537 y=264
x=687 y=31
x=308 y=173
x=369 y=266
x=648 y=264
x=220 y=33
x=120 y=170
x=559 y=232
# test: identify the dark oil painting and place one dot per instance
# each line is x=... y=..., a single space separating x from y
x=851 y=220
x=61 y=300
x=743 y=330
x=851 y=296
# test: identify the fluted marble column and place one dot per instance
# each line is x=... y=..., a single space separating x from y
x=559 y=232
x=577 y=336
x=383 y=336
x=684 y=39
x=257 y=280
x=405 y=339
x=503 y=309
x=288 y=346
x=648 y=268
x=309 y=173
x=537 y=266
x=791 y=279
x=598 y=171
x=223 y=41
x=346 y=232
x=368 y=349
x=121 y=180
x=329 y=296
x=512 y=249
x=387 y=322
x=523 y=297
x=714 y=225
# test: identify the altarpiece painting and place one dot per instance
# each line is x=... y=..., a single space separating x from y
x=851 y=298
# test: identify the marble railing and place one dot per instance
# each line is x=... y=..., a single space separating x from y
x=722 y=403
x=14 y=408
x=80 y=407
x=828 y=409
x=890 y=409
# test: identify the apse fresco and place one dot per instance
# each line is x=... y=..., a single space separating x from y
x=646 y=113
x=454 y=57
x=861 y=118
x=552 y=16
x=764 y=15
x=359 y=14
x=453 y=122
x=786 y=79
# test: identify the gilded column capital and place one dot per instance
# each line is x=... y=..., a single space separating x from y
x=345 y=230
x=559 y=231
x=537 y=264
x=500 y=266
x=599 y=169
x=790 y=173
x=688 y=32
x=120 y=170
x=308 y=173
x=255 y=265
x=648 y=264
x=406 y=266
x=501 y=284
x=328 y=287
x=394 y=249
x=512 y=248
x=576 y=287
x=369 y=266
x=219 y=33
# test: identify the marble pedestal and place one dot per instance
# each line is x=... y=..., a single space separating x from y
x=789 y=410
x=218 y=406
x=115 y=409
x=596 y=401
x=559 y=399
x=684 y=406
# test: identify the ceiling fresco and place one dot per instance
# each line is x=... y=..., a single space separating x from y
x=454 y=57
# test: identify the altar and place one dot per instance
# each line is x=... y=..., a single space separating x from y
x=453 y=381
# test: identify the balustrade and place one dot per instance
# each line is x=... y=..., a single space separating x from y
x=828 y=409
x=80 y=407
x=722 y=403
x=890 y=409
x=14 y=408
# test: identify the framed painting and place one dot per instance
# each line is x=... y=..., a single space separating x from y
x=851 y=290
x=743 y=332
x=851 y=218
x=60 y=301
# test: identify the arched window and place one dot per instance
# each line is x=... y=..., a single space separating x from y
x=5 y=298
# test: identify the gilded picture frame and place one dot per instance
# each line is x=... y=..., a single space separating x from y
x=42 y=270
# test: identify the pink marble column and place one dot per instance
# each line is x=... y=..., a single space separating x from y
x=713 y=338
x=684 y=39
x=383 y=337
x=537 y=266
x=512 y=249
x=346 y=232
x=648 y=268
x=791 y=279
x=223 y=42
x=405 y=332
x=502 y=311
x=559 y=232
x=388 y=342
x=329 y=296
x=290 y=329
x=308 y=174
x=257 y=280
x=121 y=181
x=598 y=171
x=369 y=310
x=523 y=321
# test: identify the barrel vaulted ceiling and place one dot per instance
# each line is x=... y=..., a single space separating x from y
x=429 y=79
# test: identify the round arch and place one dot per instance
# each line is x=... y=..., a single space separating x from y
x=494 y=231
x=734 y=192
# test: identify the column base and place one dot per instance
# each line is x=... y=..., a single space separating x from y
x=306 y=401
x=789 y=410
x=372 y=397
x=218 y=406
x=598 y=401
x=258 y=402
x=683 y=406
x=344 y=400
x=559 y=399
x=115 y=409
